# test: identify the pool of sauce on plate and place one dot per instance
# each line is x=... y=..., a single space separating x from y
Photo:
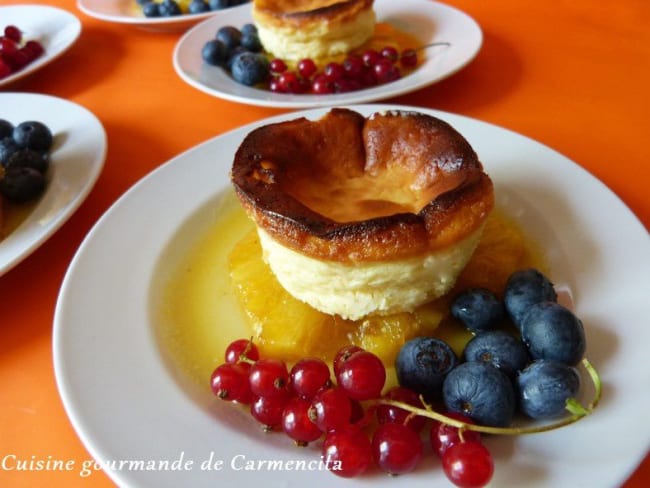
x=202 y=314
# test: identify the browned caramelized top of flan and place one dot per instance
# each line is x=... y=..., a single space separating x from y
x=297 y=12
x=346 y=188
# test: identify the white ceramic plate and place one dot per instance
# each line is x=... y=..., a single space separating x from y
x=428 y=21
x=77 y=159
x=129 y=12
x=56 y=29
x=126 y=403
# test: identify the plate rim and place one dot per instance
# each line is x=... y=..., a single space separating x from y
x=83 y=431
x=7 y=264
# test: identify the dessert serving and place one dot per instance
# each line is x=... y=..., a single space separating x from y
x=318 y=47
x=360 y=221
x=364 y=216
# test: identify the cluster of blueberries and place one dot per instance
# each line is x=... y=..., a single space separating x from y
x=24 y=157
x=168 y=8
x=530 y=368
x=239 y=51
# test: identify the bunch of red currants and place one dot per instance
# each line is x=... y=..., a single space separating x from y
x=15 y=53
x=358 y=425
x=356 y=72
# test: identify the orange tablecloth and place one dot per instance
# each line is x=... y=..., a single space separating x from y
x=571 y=74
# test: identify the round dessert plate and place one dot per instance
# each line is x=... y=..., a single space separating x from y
x=129 y=12
x=430 y=22
x=56 y=29
x=77 y=159
x=128 y=403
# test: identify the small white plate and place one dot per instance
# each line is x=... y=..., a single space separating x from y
x=129 y=402
x=77 y=159
x=56 y=29
x=428 y=21
x=129 y=12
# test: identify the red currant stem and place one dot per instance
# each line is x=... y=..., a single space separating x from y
x=433 y=44
x=244 y=354
x=580 y=413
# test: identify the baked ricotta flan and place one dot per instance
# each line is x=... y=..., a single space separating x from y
x=360 y=216
x=297 y=29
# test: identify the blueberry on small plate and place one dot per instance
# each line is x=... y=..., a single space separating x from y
x=422 y=365
x=480 y=391
x=500 y=349
x=551 y=331
x=544 y=388
x=525 y=288
x=478 y=309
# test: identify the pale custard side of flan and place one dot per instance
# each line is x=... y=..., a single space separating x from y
x=354 y=291
x=318 y=33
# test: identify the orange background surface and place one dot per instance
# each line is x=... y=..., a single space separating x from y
x=572 y=74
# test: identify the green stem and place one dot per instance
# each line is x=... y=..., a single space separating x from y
x=583 y=412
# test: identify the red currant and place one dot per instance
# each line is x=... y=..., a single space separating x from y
x=347 y=452
x=12 y=32
x=296 y=422
x=230 y=382
x=343 y=355
x=321 y=85
x=354 y=67
x=269 y=378
x=7 y=46
x=289 y=82
x=362 y=376
x=277 y=66
x=468 y=464
x=396 y=448
x=443 y=436
x=306 y=67
x=409 y=58
x=5 y=69
x=390 y=414
x=389 y=52
x=370 y=57
x=385 y=71
x=241 y=349
x=35 y=48
x=308 y=376
x=268 y=411
x=334 y=71
x=330 y=409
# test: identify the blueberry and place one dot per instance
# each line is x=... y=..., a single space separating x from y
x=248 y=29
x=500 y=349
x=545 y=386
x=7 y=147
x=219 y=4
x=422 y=365
x=553 y=332
x=233 y=54
x=150 y=9
x=480 y=391
x=169 y=8
x=525 y=288
x=21 y=184
x=198 y=7
x=251 y=42
x=33 y=135
x=478 y=309
x=28 y=158
x=6 y=128
x=215 y=53
x=250 y=68
x=230 y=36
